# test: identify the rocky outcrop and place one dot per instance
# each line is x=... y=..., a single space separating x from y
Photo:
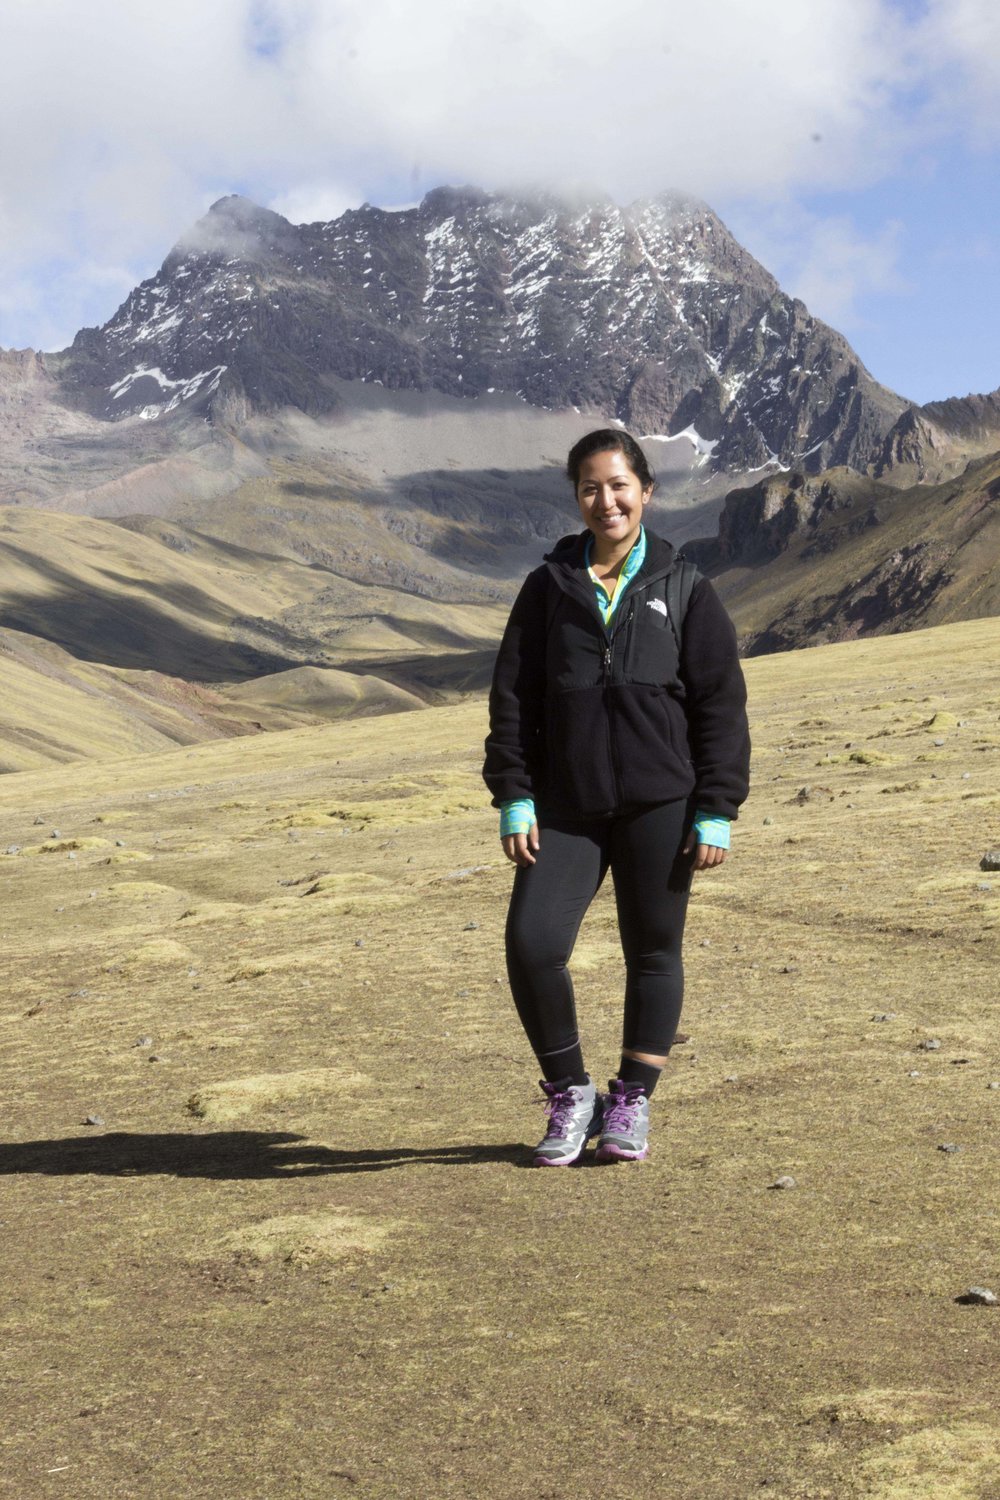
x=803 y=561
x=927 y=443
x=759 y=523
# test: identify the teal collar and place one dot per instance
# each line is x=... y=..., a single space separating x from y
x=607 y=602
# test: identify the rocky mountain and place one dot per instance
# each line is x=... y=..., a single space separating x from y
x=653 y=315
x=803 y=560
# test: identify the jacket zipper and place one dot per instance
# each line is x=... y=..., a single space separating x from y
x=609 y=719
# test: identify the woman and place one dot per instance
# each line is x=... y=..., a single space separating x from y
x=618 y=740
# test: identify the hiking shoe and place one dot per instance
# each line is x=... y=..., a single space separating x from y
x=574 y=1112
x=626 y=1123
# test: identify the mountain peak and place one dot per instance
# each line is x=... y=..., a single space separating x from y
x=652 y=315
x=239 y=210
x=237 y=227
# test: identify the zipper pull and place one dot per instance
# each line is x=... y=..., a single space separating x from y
x=607 y=663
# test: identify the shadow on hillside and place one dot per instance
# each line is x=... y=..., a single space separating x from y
x=229 y=1155
x=118 y=630
x=434 y=678
x=485 y=520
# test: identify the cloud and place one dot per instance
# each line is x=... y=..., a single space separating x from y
x=313 y=202
x=121 y=123
x=827 y=260
x=960 y=40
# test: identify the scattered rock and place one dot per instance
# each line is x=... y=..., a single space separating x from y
x=993 y=1085
x=803 y=795
x=359 y=942
x=949 y=1148
x=913 y=1073
x=54 y=834
x=789 y=969
x=12 y=849
x=990 y=860
x=884 y=1015
x=929 y=1044
x=39 y=822
x=730 y=1078
x=983 y=885
x=978 y=1296
x=119 y=843
x=93 y=1120
x=471 y=927
x=783 y=1183
x=706 y=942
x=939 y=743
x=768 y=822
x=143 y=1041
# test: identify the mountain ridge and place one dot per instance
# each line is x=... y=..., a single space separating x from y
x=472 y=293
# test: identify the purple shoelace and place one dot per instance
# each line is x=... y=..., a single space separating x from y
x=559 y=1110
x=621 y=1109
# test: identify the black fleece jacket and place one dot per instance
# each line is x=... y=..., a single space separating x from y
x=592 y=719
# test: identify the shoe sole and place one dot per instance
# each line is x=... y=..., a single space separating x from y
x=610 y=1152
x=566 y=1161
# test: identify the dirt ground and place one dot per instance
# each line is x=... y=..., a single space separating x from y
x=297 y=1250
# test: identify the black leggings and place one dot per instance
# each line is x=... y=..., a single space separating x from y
x=652 y=881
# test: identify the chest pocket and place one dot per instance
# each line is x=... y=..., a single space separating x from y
x=574 y=648
x=652 y=655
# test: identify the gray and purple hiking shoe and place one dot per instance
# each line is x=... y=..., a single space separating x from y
x=626 y=1123
x=574 y=1112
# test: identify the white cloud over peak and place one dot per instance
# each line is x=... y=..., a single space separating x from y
x=121 y=123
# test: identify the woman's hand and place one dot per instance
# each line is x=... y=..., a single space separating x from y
x=521 y=848
x=707 y=856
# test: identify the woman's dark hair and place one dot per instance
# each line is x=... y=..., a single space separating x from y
x=610 y=440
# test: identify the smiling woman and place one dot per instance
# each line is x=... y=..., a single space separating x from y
x=618 y=741
x=612 y=492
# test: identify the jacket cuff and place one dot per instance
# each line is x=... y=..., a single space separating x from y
x=711 y=828
x=516 y=817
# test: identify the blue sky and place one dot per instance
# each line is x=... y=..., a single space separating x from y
x=852 y=145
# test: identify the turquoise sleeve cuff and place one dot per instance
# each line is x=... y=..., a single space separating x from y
x=516 y=817
x=709 y=828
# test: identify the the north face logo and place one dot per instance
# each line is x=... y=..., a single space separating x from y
x=658 y=604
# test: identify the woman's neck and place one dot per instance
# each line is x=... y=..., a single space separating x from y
x=608 y=560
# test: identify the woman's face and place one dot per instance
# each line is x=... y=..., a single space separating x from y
x=611 y=500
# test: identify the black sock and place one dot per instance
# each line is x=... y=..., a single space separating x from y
x=647 y=1075
x=565 y=1065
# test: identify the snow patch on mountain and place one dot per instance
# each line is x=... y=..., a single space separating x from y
x=183 y=390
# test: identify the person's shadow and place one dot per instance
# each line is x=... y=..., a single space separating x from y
x=230 y=1154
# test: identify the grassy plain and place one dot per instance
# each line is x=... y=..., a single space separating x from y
x=300 y=1254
